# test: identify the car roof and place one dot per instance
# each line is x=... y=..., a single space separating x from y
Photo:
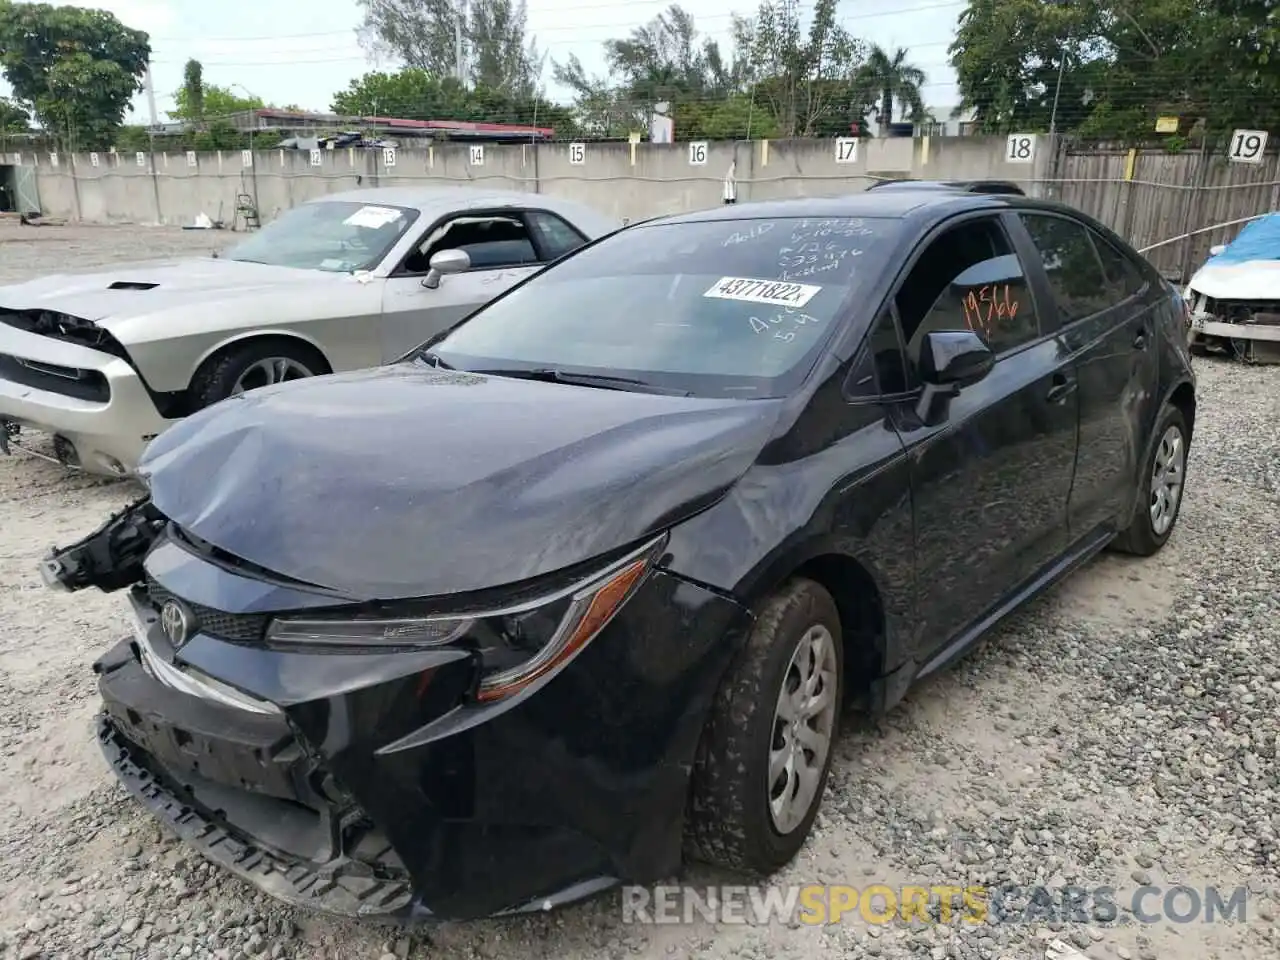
x=438 y=201
x=883 y=204
x=992 y=187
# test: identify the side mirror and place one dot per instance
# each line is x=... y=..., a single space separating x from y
x=1217 y=249
x=950 y=360
x=445 y=262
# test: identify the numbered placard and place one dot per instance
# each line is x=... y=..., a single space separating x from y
x=246 y=158
x=698 y=153
x=847 y=150
x=1020 y=148
x=1247 y=146
x=577 y=153
x=388 y=156
x=94 y=160
x=140 y=158
x=191 y=158
x=317 y=158
x=475 y=156
x=53 y=159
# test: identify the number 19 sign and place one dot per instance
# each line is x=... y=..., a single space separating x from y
x=1247 y=146
x=1020 y=148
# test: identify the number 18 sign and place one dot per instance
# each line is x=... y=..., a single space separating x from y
x=1020 y=148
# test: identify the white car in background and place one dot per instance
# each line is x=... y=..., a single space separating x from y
x=105 y=361
x=1235 y=297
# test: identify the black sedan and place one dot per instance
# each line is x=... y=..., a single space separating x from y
x=580 y=588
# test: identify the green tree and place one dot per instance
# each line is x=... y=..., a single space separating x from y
x=1114 y=66
x=215 y=102
x=13 y=118
x=78 y=68
x=424 y=34
x=890 y=80
x=498 y=56
x=807 y=80
x=193 y=88
x=416 y=94
x=419 y=33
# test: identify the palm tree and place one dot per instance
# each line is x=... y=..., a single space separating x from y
x=889 y=80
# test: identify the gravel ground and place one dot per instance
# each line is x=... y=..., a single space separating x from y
x=1122 y=731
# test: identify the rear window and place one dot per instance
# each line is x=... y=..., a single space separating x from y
x=719 y=308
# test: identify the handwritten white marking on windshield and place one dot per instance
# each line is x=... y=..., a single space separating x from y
x=752 y=233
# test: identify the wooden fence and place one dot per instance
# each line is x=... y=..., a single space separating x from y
x=1151 y=195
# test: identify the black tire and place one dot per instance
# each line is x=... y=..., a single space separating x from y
x=728 y=822
x=215 y=380
x=1141 y=538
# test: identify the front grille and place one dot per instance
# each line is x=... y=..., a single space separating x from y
x=67 y=381
x=1265 y=312
x=243 y=627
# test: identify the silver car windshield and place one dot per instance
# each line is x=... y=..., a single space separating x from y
x=719 y=308
x=335 y=236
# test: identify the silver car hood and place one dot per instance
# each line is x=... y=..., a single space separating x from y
x=130 y=290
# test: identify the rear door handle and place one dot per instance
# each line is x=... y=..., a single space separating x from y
x=1063 y=387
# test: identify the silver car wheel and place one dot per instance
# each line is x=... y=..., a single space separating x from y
x=1166 y=480
x=803 y=722
x=268 y=371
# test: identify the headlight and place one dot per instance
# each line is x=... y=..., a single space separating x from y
x=516 y=645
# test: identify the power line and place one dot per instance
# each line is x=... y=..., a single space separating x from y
x=920 y=8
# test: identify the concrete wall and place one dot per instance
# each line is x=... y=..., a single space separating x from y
x=624 y=180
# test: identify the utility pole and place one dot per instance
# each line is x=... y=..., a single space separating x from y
x=151 y=96
x=457 y=41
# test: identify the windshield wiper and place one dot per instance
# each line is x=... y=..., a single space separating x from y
x=604 y=382
x=432 y=360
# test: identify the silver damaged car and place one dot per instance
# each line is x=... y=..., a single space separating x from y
x=105 y=361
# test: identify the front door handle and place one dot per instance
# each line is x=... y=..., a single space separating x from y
x=1063 y=387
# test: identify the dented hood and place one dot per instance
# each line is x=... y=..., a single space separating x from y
x=1250 y=280
x=129 y=290
x=407 y=481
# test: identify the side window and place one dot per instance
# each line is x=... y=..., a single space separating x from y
x=1123 y=275
x=1075 y=274
x=968 y=278
x=880 y=367
x=491 y=241
x=554 y=235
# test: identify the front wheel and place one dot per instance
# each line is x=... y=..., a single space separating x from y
x=250 y=365
x=765 y=755
x=1160 y=490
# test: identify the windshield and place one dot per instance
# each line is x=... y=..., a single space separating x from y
x=716 y=308
x=338 y=236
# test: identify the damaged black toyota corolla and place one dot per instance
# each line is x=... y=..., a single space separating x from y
x=581 y=587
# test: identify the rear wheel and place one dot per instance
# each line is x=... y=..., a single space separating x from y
x=765 y=755
x=250 y=365
x=1161 y=488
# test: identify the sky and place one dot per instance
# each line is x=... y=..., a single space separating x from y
x=304 y=51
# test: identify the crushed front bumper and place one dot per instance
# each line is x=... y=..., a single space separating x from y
x=95 y=402
x=374 y=786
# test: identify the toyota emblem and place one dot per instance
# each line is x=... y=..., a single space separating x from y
x=177 y=623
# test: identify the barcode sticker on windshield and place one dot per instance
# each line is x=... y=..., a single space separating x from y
x=778 y=293
x=372 y=217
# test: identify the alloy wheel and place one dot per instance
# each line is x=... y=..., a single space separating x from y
x=268 y=371
x=1166 y=480
x=803 y=723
